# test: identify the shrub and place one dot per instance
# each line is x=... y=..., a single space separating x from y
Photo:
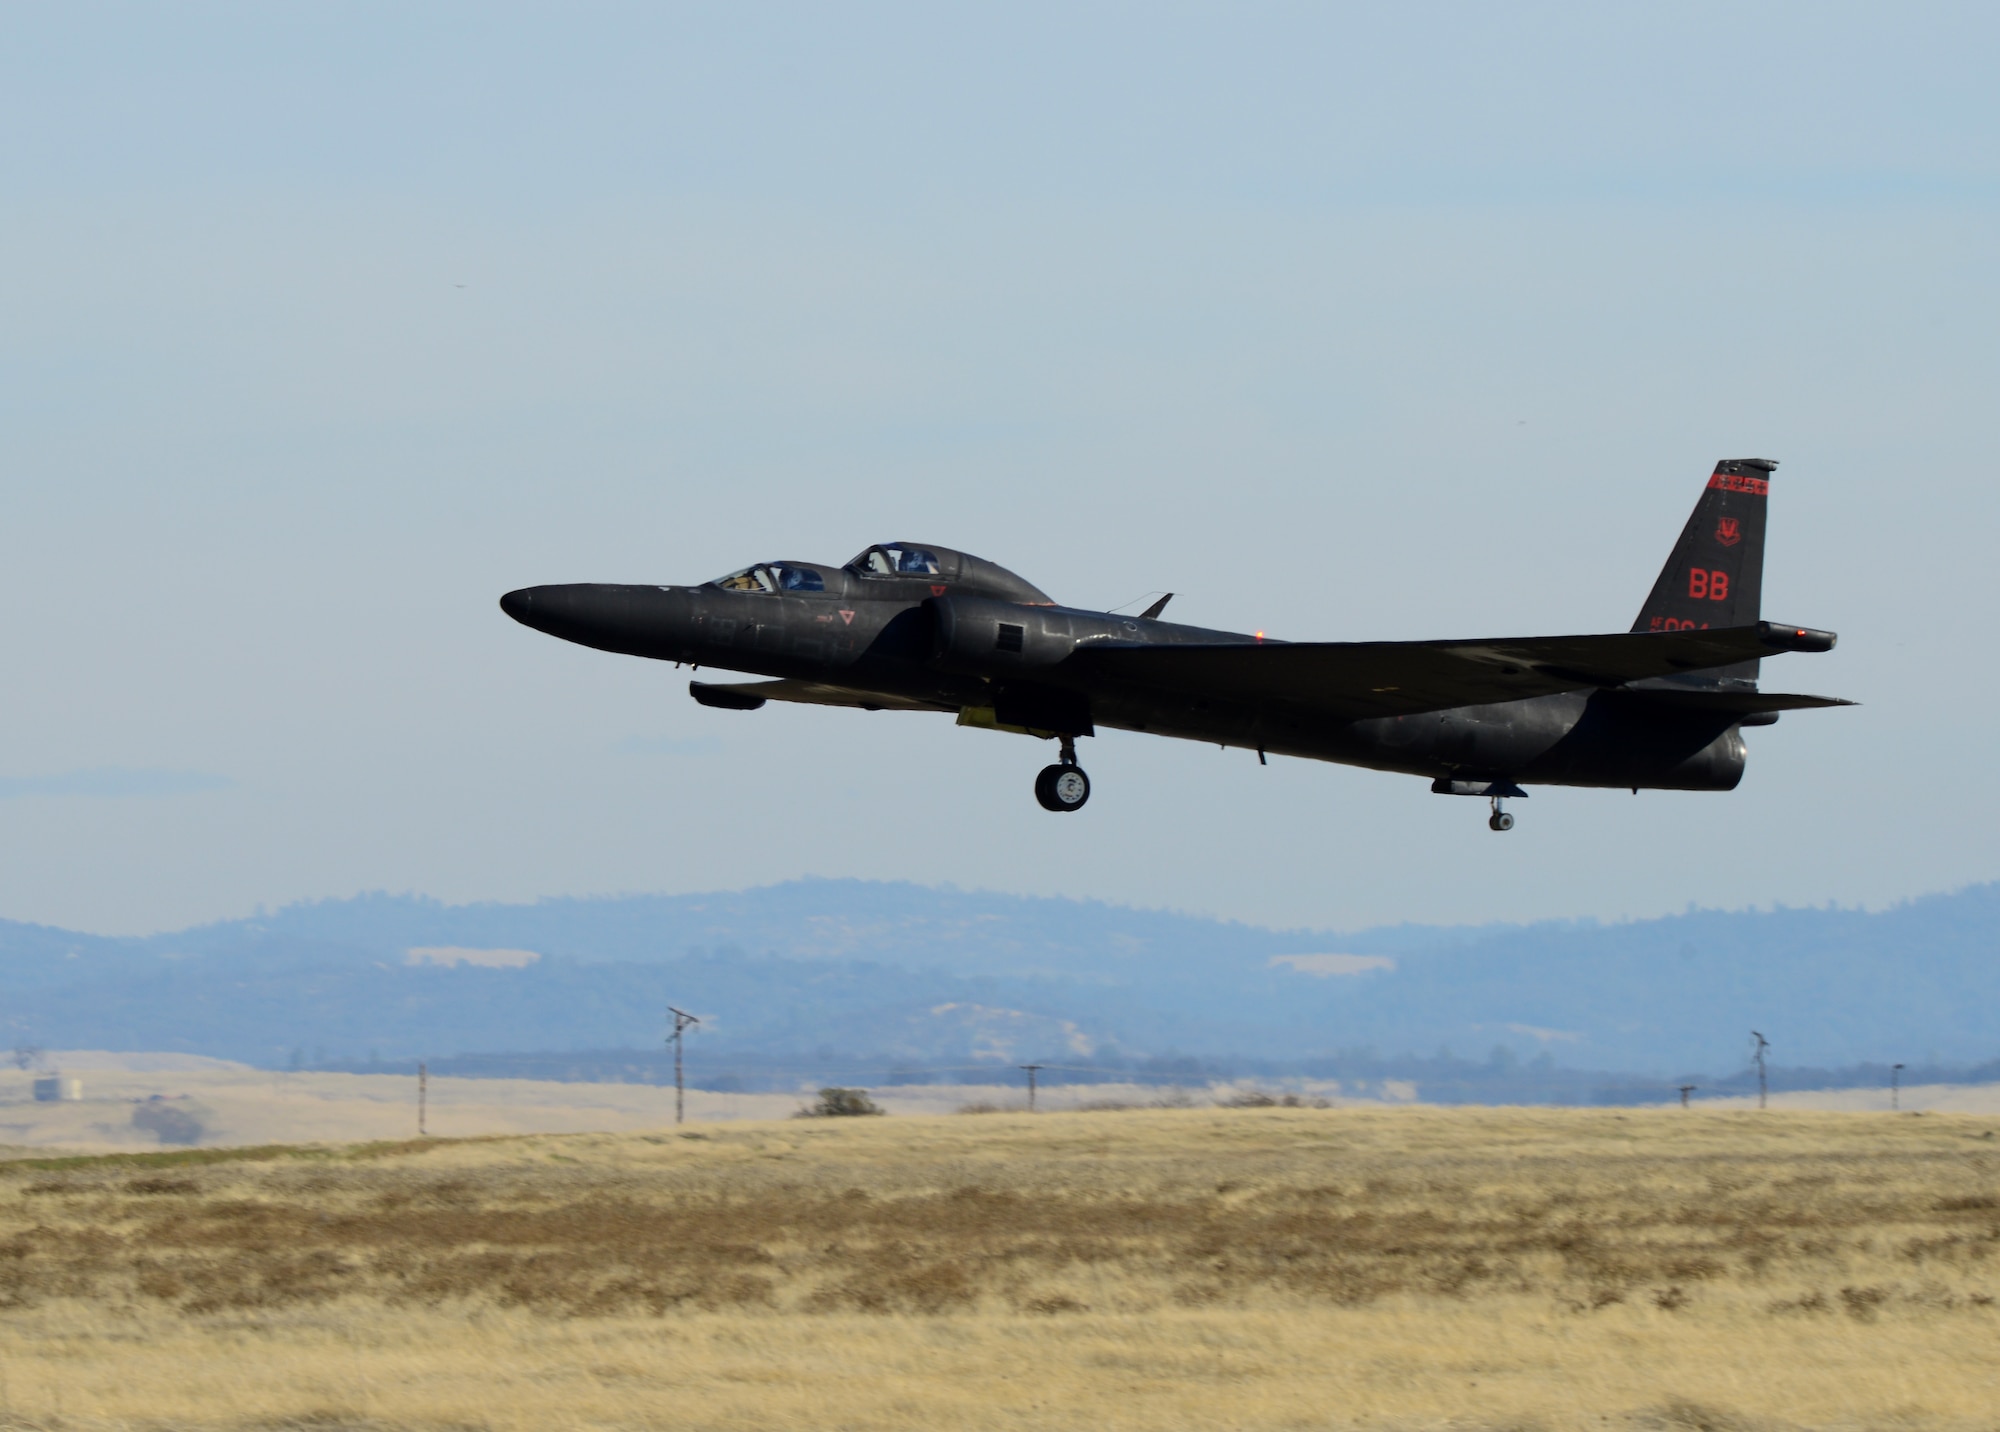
x=1258 y=1099
x=840 y=1104
x=170 y=1123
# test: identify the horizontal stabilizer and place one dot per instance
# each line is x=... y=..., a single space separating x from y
x=749 y=695
x=1744 y=702
x=1360 y=680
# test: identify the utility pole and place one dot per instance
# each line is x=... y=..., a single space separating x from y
x=423 y=1097
x=1031 y=1068
x=1763 y=1083
x=1687 y=1089
x=1895 y=1086
x=682 y=1019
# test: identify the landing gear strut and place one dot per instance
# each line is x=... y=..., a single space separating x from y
x=1063 y=787
x=1499 y=820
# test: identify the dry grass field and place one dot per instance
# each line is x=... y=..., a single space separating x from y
x=237 y=1104
x=1358 y=1268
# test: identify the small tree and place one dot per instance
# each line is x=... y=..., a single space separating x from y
x=840 y=1104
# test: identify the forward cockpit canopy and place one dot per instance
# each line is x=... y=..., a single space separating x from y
x=773 y=577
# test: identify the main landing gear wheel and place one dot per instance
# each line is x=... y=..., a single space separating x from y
x=1062 y=788
x=1499 y=820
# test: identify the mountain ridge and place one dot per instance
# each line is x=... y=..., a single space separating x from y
x=854 y=968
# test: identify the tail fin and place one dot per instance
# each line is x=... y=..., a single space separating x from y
x=1715 y=577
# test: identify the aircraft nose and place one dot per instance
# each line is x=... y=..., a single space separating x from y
x=640 y=621
x=554 y=610
x=519 y=604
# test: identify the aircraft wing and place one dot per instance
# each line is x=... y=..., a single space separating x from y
x=1358 y=680
x=749 y=695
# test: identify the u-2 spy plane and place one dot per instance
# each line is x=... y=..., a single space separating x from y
x=911 y=626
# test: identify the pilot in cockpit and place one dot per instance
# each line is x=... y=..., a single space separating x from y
x=773 y=577
x=899 y=562
x=750 y=579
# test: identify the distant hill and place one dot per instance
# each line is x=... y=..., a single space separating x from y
x=834 y=970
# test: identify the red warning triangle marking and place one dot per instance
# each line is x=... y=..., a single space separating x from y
x=847 y=618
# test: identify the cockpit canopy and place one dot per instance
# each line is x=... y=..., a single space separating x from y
x=943 y=568
x=893 y=564
x=773 y=577
x=896 y=559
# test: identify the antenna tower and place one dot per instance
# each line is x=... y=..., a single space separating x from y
x=1031 y=1068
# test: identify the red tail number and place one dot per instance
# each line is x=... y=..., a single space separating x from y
x=1714 y=586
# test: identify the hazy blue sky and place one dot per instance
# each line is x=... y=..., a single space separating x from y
x=320 y=327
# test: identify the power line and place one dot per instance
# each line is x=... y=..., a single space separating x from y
x=682 y=1019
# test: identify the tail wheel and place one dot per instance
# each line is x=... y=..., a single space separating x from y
x=1062 y=788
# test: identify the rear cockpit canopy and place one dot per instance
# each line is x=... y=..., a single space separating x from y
x=897 y=559
x=774 y=577
x=944 y=568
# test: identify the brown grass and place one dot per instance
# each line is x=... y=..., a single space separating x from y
x=1249 y=1268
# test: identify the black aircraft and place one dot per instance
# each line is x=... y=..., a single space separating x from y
x=910 y=626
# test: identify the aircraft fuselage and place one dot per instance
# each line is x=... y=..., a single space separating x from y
x=907 y=643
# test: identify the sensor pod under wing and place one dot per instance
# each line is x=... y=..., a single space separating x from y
x=909 y=626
